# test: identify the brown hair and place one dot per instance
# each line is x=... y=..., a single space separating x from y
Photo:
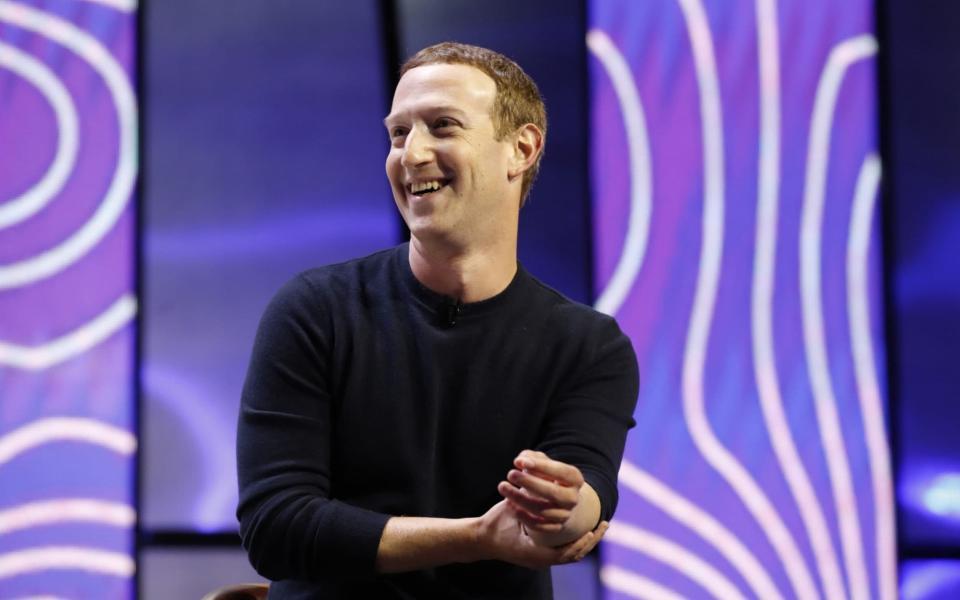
x=518 y=100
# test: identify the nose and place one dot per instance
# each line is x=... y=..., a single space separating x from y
x=417 y=149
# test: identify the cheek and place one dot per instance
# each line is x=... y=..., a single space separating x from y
x=391 y=165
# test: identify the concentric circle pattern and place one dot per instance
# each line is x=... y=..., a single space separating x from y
x=66 y=278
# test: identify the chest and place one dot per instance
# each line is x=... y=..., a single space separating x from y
x=416 y=404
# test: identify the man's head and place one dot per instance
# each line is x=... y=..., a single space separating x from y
x=517 y=102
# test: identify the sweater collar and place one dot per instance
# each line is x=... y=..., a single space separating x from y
x=441 y=304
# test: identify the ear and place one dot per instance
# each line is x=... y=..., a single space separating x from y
x=526 y=148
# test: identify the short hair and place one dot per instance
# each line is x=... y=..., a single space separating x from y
x=517 y=102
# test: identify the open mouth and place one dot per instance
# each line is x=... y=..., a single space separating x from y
x=427 y=187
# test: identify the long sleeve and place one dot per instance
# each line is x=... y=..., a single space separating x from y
x=290 y=525
x=588 y=419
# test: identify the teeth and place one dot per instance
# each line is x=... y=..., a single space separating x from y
x=424 y=186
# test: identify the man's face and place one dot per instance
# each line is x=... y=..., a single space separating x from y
x=448 y=173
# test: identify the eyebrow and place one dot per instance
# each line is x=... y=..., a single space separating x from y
x=432 y=110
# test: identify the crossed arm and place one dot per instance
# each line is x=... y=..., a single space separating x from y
x=548 y=516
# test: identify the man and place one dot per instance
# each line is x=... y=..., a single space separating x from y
x=431 y=421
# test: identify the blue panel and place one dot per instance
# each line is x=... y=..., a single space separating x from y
x=924 y=134
x=68 y=138
x=735 y=172
x=265 y=155
x=930 y=580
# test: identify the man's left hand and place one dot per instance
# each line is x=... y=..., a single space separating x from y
x=550 y=497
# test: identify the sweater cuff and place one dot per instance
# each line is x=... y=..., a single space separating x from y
x=355 y=535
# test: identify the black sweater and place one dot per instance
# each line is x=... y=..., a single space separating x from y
x=363 y=401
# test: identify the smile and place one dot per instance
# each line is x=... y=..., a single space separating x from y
x=423 y=188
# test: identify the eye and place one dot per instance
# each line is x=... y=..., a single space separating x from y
x=398 y=132
x=444 y=123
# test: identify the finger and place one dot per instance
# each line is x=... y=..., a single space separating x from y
x=597 y=536
x=582 y=546
x=526 y=517
x=535 y=487
x=534 y=454
x=532 y=522
x=535 y=502
x=546 y=468
x=602 y=528
x=536 y=506
x=553 y=493
x=578 y=548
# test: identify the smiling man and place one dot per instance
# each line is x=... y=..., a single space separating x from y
x=431 y=421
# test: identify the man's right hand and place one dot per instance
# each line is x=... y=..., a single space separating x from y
x=503 y=537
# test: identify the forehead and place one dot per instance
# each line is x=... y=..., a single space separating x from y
x=441 y=85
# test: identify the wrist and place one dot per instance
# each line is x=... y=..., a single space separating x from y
x=474 y=547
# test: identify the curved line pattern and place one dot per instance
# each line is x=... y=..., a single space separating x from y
x=764 y=361
x=72 y=344
x=117 y=197
x=641 y=173
x=707 y=279
x=34 y=199
x=674 y=555
x=871 y=405
x=60 y=510
x=841 y=58
x=74 y=558
x=635 y=585
x=121 y=5
x=610 y=300
x=57 y=429
x=704 y=525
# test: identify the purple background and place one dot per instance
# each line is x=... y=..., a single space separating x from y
x=96 y=384
x=654 y=39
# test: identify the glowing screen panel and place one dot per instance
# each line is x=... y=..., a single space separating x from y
x=67 y=170
x=735 y=173
x=264 y=152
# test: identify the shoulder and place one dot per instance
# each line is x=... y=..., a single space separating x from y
x=319 y=289
x=576 y=319
x=340 y=277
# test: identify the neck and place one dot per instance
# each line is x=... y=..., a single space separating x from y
x=469 y=274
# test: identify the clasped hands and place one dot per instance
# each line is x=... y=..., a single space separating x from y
x=547 y=516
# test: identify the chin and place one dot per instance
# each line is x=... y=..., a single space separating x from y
x=427 y=229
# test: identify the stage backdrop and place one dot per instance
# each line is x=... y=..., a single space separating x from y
x=735 y=175
x=67 y=169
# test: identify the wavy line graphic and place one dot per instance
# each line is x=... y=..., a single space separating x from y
x=704 y=525
x=121 y=5
x=841 y=58
x=635 y=585
x=613 y=295
x=871 y=406
x=674 y=555
x=701 y=317
x=34 y=199
x=641 y=174
x=62 y=53
x=809 y=520
x=65 y=510
x=59 y=429
x=73 y=344
x=80 y=242
x=65 y=558
x=765 y=369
